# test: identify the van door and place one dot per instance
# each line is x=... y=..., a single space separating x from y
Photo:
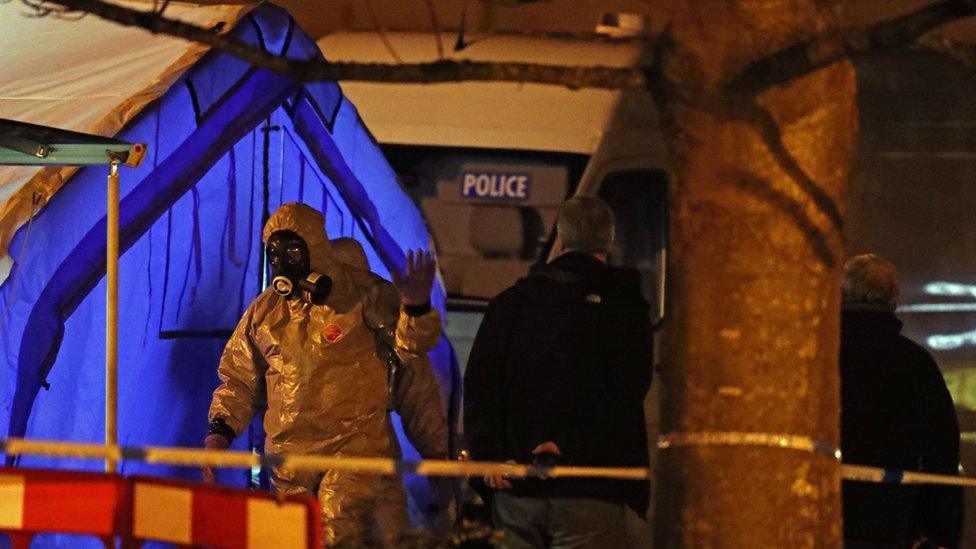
x=638 y=199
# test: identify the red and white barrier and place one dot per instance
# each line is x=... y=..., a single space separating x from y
x=205 y=515
x=34 y=501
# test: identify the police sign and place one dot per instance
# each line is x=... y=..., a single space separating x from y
x=497 y=185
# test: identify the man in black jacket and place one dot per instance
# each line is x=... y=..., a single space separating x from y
x=560 y=367
x=895 y=413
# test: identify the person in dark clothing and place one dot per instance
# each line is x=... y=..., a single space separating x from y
x=560 y=367
x=896 y=413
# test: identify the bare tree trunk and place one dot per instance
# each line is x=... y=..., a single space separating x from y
x=751 y=344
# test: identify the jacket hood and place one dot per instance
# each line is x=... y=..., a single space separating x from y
x=582 y=271
x=569 y=268
x=867 y=316
x=308 y=223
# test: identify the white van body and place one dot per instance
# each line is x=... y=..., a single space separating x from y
x=500 y=115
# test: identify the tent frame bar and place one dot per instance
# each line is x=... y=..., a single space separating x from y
x=112 y=312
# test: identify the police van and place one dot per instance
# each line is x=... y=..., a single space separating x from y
x=489 y=163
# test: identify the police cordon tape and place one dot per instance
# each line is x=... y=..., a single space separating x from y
x=740 y=438
x=857 y=473
x=863 y=473
x=197 y=457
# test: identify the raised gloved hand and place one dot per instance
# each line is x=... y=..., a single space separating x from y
x=213 y=442
x=415 y=284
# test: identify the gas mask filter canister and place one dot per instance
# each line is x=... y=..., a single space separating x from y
x=314 y=288
x=291 y=275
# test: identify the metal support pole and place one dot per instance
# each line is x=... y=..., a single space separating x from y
x=112 y=312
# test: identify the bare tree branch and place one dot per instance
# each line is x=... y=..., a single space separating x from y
x=162 y=7
x=314 y=70
x=643 y=39
x=511 y=3
x=964 y=53
x=381 y=30
x=460 y=71
x=435 y=27
x=807 y=56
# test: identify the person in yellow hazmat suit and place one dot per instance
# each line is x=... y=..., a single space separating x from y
x=416 y=398
x=316 y=350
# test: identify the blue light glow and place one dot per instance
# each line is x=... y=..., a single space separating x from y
x=950 y=289
x=946 y=342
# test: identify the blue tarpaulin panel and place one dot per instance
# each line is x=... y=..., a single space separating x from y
x=227 y=144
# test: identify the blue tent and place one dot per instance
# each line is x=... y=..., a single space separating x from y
x=228 y=143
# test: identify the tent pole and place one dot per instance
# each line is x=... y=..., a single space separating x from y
x=112 y=311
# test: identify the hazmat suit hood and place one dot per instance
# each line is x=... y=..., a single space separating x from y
x=585 y=274
x=308 y=223
x=350 y=251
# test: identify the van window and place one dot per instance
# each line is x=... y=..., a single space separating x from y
x=491 y=212
x=638 y=199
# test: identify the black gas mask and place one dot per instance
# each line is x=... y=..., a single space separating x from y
x=291 y=272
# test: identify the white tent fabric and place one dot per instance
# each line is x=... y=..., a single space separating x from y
x=87 y=75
